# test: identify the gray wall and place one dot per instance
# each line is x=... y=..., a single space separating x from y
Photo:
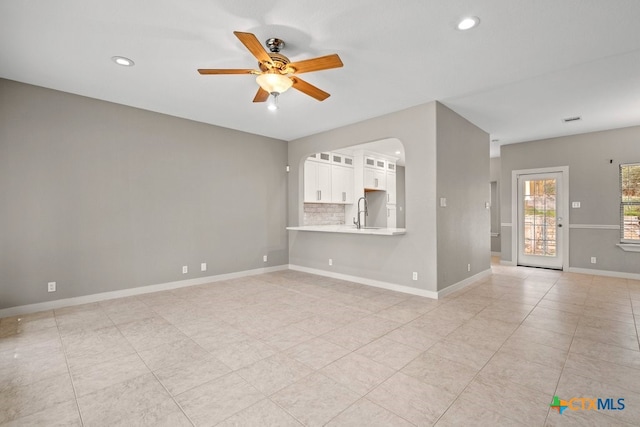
x=388 y=259
x=593 y=181
x=101 y=197
x=393 y=259
x=463 y=179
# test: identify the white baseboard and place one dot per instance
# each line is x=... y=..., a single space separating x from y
x=509 y=263
x=464 y=283
x=87 y=299
x=496 y=253
x=606 y=273
x=393 y=286
x=365 y=281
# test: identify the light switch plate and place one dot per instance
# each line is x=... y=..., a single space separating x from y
x=575 y=205
x=443 y=202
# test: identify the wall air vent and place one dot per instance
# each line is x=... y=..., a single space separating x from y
x=572 y=119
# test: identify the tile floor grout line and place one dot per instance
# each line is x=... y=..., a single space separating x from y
x=489 y=360
x=581 y=315
x=170 y=395
x=66 y=361
x=555 y=390
x=285 y=409
x=635 y=321
x=502 y=345
x=153 y=373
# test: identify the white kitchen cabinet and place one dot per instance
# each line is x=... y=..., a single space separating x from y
x=341 y=184
x=341 y=160
x=321 y=157
x=317 y=182
x=374 y=179
x=391 y=187
x=391 y=216
x=375 y=176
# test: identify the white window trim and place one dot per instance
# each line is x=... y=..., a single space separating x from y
x=629 y=247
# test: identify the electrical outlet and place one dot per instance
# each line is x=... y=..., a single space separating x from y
x=185 y=269
x=264 y=258
x=330 y=261
x=415 y=275
x=593 y=260
x=203 y=266
x=443 y=202
x=468 y=267
x=51 y=287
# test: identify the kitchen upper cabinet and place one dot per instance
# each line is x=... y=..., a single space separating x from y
x=328 y=178
x=375 y=176
x=317 y=182
x=374 y=179
x=341 y=184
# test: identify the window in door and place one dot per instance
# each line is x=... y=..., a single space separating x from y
x=540 y=217
x=630 y=203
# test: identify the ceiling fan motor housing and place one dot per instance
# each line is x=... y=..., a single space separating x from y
x=274 y=45
x=278 y=61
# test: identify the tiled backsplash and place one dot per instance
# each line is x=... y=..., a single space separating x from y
x=323 y=214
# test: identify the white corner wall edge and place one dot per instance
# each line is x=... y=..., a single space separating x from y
x=103 y=296
x=393 y=286
x=606 y=273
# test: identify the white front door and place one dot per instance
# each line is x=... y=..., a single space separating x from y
x=541 y=220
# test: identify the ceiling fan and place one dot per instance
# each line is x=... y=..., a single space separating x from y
x=276 y=73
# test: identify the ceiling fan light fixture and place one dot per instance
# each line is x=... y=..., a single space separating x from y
x=273 y=82
x=468 y=23
x=273 y=102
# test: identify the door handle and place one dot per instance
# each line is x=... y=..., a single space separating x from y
x=559 y=225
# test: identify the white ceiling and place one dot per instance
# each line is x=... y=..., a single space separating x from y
x=529 y=64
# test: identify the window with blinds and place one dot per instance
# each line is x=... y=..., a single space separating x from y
x=630 y=203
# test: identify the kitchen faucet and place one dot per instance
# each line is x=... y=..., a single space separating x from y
x=366 y=213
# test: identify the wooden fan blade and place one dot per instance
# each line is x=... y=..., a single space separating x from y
x=309 y=89
x=253 y=44
x=227 y=71
x=261 y=96
x=317 y=64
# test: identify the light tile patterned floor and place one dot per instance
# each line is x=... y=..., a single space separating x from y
x=290 y=348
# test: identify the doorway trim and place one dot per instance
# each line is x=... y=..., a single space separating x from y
x=514 y=210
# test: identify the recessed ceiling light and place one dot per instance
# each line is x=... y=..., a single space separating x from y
x=398 y=152
x=468 y=23
x=121 y=60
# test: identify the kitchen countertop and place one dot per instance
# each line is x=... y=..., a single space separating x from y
x=350 y=229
